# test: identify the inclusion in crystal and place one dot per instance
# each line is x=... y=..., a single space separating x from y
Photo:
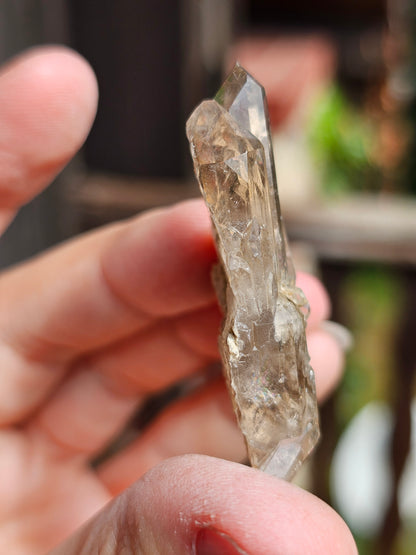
x=263 y=341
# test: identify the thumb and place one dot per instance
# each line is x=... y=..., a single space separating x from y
x=200 y=505
x=48 y=98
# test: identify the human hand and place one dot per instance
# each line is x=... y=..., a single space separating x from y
x=88 y=331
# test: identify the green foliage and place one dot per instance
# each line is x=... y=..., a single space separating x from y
x=341 y=140
x=372 y=303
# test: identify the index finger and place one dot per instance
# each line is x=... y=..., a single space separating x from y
x=95 y=291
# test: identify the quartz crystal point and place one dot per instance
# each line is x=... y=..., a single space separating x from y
x=263 y=342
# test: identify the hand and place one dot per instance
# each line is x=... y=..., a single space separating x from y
x=88 y=331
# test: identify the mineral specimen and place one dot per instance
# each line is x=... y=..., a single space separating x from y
x=263 y=342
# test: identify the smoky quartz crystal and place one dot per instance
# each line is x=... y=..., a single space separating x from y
x=263 y=341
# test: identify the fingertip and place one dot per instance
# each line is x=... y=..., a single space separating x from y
x=62 y=85
x=254 y=511
x=193 y=211
x=161 y=263
x=327 y=359
x=48 y=100
x=188 y=223
x=317 y=296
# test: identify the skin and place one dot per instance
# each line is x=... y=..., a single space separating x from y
x=88 y=331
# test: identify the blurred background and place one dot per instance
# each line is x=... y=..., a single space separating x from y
x=340 y=79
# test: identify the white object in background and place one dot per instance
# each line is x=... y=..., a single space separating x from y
x=360 y=474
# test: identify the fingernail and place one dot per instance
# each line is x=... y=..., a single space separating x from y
x=341 y=334
x=212 y=542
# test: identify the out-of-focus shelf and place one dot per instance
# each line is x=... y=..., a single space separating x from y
x=380 y=228
x=116 y=196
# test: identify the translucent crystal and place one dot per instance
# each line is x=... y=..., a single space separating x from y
x=263 y=342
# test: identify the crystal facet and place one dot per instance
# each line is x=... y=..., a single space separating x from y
x=263 y=342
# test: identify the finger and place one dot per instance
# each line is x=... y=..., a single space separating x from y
x=317 y=297
x=198 y=505
x=161 y=355
x=327 y=359
x=156 y=266
x=202 y=423
x=42 y=500
x=94 y=403
x=95 y=291
x=48 y=98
